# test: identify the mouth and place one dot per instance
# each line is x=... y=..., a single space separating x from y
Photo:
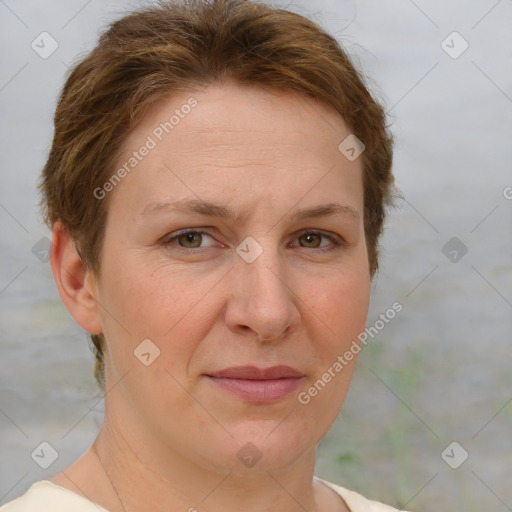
x=258 y=385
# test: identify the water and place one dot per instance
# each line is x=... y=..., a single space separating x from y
x=439 y=372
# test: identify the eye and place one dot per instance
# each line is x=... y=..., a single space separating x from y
x=313 y=240
x=198 y=239
x=189 y=239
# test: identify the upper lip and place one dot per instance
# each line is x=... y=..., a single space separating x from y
x=255 y=373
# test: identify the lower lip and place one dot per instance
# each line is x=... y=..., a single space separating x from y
x=261 y=391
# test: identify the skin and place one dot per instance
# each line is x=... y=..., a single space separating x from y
x=170 y=437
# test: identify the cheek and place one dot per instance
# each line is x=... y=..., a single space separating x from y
x=338 y=306
x=349 y=307
x=172 y=309
x=337 y=311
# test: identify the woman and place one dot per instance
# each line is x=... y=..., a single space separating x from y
x=216 y=190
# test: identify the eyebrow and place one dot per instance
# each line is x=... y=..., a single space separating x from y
x=210 y=209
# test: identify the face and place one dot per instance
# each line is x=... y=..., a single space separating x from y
x=234 y=275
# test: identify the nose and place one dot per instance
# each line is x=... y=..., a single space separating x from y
x=262 y=301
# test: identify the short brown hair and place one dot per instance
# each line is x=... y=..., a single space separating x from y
x=173 y=46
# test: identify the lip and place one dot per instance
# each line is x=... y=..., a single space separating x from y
x=255 y=373
x=258 y=385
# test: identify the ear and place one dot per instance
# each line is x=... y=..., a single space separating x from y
x=77 y=286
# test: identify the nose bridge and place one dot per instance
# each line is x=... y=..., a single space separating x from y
x=262 y=300
x=265 y=272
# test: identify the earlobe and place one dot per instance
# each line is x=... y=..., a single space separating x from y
x=76 y=284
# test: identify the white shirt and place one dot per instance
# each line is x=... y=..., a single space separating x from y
x=45 y=496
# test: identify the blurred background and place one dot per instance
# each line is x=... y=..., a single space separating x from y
x=427 y=424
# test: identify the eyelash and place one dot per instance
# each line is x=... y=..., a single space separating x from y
x=334 y=241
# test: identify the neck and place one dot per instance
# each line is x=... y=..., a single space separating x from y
x=144 y=475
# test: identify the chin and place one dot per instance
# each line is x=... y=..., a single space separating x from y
x=258 y=446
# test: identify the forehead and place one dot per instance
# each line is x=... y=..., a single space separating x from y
x=247 y=115
x=227 y=137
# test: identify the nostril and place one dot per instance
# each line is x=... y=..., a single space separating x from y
x=245 y=328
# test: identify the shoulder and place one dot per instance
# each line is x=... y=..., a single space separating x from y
x=44 y=496
x=355 y=501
